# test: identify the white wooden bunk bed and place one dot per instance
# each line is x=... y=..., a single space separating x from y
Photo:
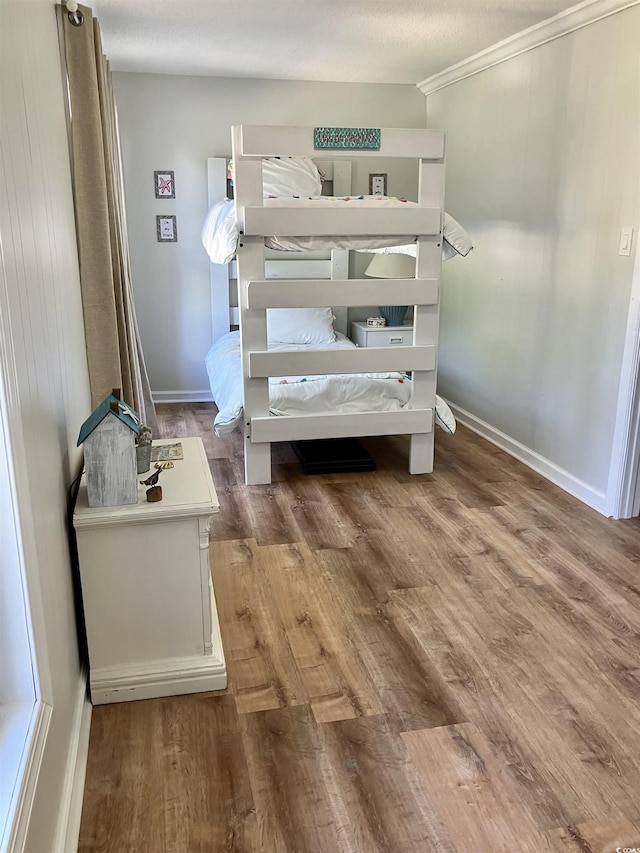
x=257 y=220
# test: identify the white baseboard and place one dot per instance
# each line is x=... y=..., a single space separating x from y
x=73 y=791
x=151 y=679
x=558 y=476
x=39 y=725
x=182 y=396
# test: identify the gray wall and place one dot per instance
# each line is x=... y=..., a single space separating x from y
x=543 y=170
x=175 y=123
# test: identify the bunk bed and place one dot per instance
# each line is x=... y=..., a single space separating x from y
x=335 y=224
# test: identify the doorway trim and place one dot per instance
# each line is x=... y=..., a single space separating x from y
x=623 y=489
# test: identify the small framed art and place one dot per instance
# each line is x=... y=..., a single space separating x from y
x=378 y=183
x=165 y=184
x=166 y=229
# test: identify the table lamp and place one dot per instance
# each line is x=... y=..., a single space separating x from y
x=392 y=265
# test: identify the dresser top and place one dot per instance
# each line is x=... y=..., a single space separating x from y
x=187 y=490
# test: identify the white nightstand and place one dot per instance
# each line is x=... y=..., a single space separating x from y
x=381 y=336
x=150 y=612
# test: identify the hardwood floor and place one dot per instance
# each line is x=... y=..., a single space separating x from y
x=447 y=662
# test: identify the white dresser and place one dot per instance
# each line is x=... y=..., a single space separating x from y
x=149 y=606
x=381 y=336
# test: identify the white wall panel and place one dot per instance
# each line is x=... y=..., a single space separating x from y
x=543 y=154
x=37 y=228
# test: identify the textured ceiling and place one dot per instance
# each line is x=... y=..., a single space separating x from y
x=359 y=41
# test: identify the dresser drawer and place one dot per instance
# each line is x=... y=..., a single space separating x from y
x=386 y=336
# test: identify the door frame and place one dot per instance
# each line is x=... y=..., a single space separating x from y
x=623 y=488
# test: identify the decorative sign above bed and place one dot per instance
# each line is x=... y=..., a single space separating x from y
x=346 y=137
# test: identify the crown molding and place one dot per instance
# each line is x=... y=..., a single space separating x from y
x=565 y=22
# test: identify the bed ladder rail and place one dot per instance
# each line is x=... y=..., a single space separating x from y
x=358 y=292
x=265 y=363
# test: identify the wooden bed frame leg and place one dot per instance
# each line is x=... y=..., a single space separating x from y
x=257 y=463
x=421 y=453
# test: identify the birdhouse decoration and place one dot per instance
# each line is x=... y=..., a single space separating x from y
x=109 y=438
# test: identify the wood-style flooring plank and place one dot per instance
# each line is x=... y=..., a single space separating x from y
x=123 y=806
x=330 y=667
x=610 y=835
x=380 y=789
x=342 y=786
x=260 y=664
x=608 y=586
x=474 y=797
x=208 y=804
x=528 y=700
x=410 y=688
x=271 y=515
x=289 y=776
x=321 y=522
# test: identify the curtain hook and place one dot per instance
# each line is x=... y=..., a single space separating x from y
x=75 y=17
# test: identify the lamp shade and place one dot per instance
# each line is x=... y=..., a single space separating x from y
x=393 y=265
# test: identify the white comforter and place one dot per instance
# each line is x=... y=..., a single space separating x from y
x=295 y=395
x=220 y=234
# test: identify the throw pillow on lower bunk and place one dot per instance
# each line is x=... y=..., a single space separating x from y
x=300 y=326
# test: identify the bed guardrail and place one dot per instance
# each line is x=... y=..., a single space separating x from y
x=332 y=221
x=316 y=293
x=302 y=427
x=274 y=140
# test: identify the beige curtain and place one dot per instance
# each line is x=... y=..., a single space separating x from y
x=114 y=354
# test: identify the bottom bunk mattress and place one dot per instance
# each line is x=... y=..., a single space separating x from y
x=305 y=395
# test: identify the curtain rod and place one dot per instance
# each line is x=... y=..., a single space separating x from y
x=73 y=14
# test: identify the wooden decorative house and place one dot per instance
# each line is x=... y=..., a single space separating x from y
x=109 y=438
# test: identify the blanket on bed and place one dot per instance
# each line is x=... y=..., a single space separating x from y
x=295 y=395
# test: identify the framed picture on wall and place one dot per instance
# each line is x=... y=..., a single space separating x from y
x=378 y=183
x=166 y=229
x=165 y=184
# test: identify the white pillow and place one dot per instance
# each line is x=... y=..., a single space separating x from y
x=300 y=325
x=287 y=176
x=220 y=233
x=444 y=416
x=456 y=237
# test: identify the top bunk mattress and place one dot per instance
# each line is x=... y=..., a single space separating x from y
x=220 y=233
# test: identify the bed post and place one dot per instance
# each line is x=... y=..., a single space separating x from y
x=426 y=317
x=219 y=273
x=253 y=322
x=253 y=336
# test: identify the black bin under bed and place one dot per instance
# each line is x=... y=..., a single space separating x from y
x=332 y=456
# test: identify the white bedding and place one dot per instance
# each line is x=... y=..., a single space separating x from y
x=294 y=395
x=220 y=234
